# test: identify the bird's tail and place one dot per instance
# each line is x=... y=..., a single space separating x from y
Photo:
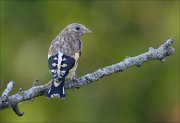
x=56 y=91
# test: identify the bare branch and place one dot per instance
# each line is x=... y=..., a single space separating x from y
x=153 y=54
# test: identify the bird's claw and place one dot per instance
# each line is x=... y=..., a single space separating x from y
x=74 y=80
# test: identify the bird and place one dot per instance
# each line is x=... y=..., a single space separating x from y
x=63 y=56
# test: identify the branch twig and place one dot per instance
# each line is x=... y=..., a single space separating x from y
x=8 y=89
x=153 y=54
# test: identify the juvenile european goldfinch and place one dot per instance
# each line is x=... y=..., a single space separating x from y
x=63 y=55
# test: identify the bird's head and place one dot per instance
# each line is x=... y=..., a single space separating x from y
x=77 y=29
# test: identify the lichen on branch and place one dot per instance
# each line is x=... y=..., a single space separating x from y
x=160 y=53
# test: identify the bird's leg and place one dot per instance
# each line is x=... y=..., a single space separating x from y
x=72 y=77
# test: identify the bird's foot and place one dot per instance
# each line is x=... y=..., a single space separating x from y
x=74 y=80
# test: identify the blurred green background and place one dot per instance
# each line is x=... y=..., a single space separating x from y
x=149 y=93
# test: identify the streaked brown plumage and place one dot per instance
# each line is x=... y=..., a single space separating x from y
x=63 y=55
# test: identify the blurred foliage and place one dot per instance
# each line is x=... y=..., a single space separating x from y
x=120 y=28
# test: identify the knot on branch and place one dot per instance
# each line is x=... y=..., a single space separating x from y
x=4 y=101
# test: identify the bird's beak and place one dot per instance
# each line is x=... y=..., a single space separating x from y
x=86 y=30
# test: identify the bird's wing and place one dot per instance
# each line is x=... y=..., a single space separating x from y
x=59 y=66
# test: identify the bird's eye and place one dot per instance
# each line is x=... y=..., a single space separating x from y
x=77 y=28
